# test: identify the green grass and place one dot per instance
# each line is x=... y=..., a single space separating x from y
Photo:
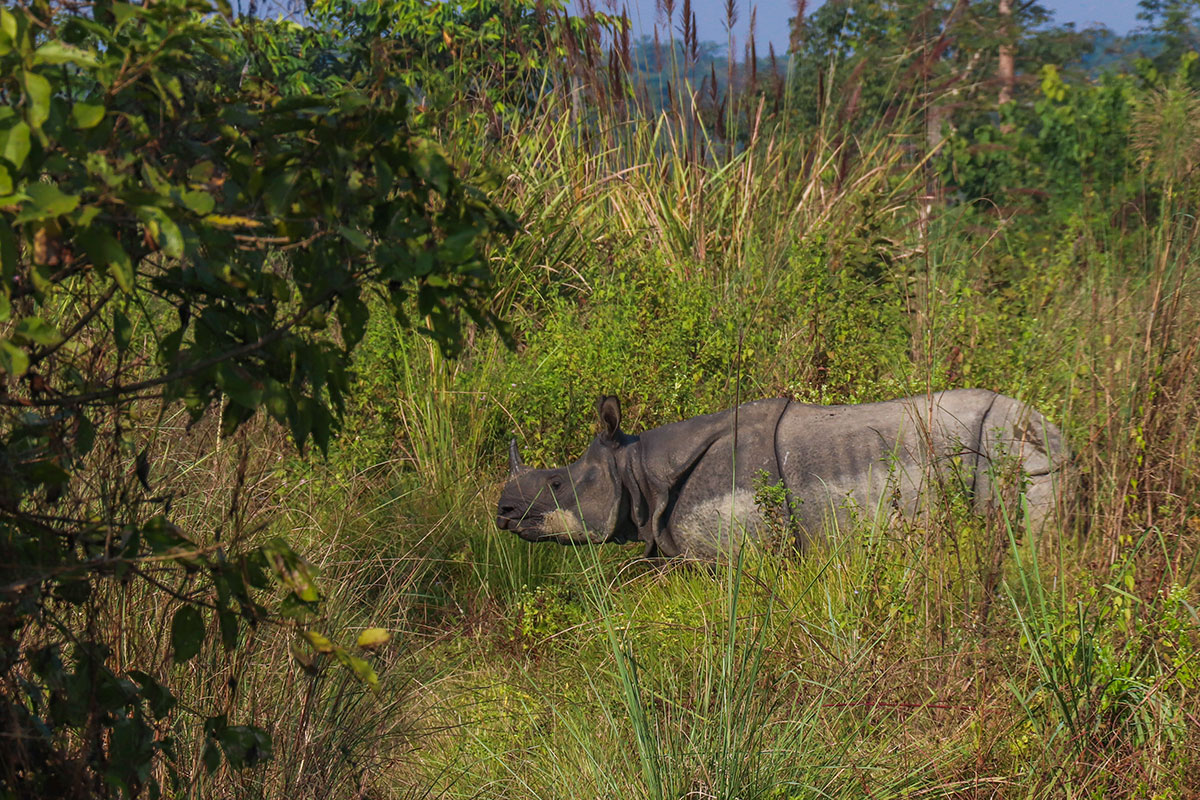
x=953 y=657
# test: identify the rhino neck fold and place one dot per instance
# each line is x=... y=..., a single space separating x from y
x=653 y=489
x=787 y=491
x=673 y=468
x=978 y=444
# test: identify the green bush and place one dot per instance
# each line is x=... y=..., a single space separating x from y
x=174 y=236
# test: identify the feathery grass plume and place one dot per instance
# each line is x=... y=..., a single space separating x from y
x=731 y=15
x=658 y=59
x=752 y=51
x=695 y=40
x=687 y=30
x=1166 y=132
x=713 y=91
x=796 y=34
x=666 y=11
x=854 y=83
x=730 y=102
x=625 y=43
x=591 y=38
x=615 y=79
x=776 y=80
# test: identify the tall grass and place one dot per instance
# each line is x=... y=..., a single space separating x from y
x=693 y=249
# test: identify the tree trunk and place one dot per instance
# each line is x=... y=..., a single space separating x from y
x=1006 y=69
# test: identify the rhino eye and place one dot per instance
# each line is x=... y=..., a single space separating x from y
x=555 y=484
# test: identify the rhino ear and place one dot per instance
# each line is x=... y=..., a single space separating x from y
x=608 y=408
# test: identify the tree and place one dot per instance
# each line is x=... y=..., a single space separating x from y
x=176 y=232
x=1005 y=67
x=1174 y=23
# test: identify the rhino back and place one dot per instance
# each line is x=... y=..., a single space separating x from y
x=697 y=479
x=877 y=460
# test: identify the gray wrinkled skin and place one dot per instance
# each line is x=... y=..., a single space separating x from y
x=688 y=489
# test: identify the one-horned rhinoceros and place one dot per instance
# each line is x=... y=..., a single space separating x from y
x=694 y=488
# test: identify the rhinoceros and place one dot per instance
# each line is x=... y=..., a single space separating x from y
x=695 y=488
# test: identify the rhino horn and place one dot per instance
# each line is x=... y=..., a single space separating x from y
x=514 y=458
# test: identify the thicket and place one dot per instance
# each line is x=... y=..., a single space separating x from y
x=225 y=238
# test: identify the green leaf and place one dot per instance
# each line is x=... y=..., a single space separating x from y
x=160 y=699
x=46 y=472
x=86 y=115
x=168 y=347
x=162 y=229
x=8 y=31
x=47 y=201
x=430 y=165
x=106 y=252
x=292 y=571
x=275 y=397
x=14 y=143
x=229 y=628
x=232 y=417
x=57 y=52
x=37 y=331
x=199 y=202
x=85 y=435
x=187 y=633
x=13 y=360
x=319 y=642
x=360 y=668
x=6 y=183
x=202 y=172
x=37 y=98
x=300 y=419
x=239 y=384
x=373 y=637
x=322 y=426
x=162 y=536
x=84 y=215
x=356 y=238
x=125 y=12
x=122 y=330
x=352 y=314
x=245 y=745
x=212 y=757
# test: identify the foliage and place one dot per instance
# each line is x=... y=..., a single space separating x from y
x=674 y=345
x=173 y=234
x=1070 y=147
x=1176 y=26
x=471 y=66
x=688 y=240
x=867 y=57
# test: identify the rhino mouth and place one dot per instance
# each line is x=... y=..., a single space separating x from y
x=530 y=528
x=519 y=525
x=564 y=527
x=532 y=531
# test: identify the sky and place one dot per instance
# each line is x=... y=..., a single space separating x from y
x=773 y=15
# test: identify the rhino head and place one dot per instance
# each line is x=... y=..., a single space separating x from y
x=583 y=503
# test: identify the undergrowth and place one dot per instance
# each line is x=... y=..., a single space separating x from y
x=962 y=657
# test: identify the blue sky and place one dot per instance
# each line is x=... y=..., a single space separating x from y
x=773 y=15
